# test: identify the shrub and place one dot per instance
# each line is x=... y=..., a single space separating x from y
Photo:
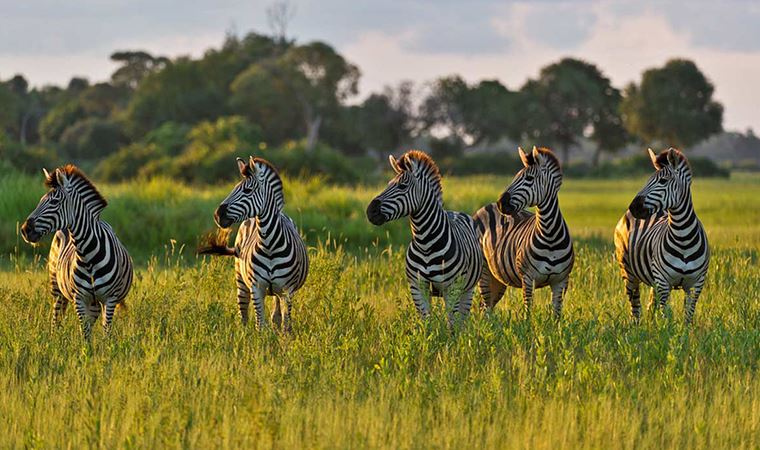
x=495 y=163
x=323 y=161
x=29 y=159
x=92 y=138
x=640 y=165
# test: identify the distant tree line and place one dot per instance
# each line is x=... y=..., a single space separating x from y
x=267 y=94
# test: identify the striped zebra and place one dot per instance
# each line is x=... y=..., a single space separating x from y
x=444 y=257
x=270 y=256
x=523 y=249
x=87 y=264
x=660 y=241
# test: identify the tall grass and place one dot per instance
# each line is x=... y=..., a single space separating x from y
x=360 y=370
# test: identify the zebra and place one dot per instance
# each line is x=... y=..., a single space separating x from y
x=270 y=256
x=660 y=241
x=524 y=249
x=87 y=264
x=444 y=257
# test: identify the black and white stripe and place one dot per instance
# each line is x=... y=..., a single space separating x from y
x=444 y=257
x=271 y=257
x=523 y=249
x=660 y=241
x=87 y=264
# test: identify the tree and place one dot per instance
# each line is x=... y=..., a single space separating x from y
x=135 y=65
x=673 y=106
x=92 y=138
x=569 y=97
x=179 y=93
x=467 y=115
x=313 y=80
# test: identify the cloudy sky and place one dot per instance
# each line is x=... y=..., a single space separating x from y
x=49 y=41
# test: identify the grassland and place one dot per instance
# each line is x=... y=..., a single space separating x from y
x=360 y=370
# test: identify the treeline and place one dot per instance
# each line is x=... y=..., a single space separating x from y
x=296 y=105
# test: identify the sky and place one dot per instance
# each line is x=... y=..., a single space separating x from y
x=49 y=41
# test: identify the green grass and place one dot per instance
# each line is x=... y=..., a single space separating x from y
x=360 y=370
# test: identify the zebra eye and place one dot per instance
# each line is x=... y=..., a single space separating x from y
x=662 y=180
x=402 y=186
x=247 y=189
x=529 y=177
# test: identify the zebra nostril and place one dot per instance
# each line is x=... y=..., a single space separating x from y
x=374 y=214
x=220 y=216
x=503 y=205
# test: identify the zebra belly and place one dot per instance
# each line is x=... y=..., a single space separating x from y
x=259 y=274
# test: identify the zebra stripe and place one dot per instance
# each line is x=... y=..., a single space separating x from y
x=660 y=241
x=444 y=257
x=87 y=263
x=523 y=249
x=270 y=256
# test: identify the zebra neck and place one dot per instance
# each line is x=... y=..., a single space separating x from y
x=549 y=216
x=682 y=217
x=268 y=224
x=84 y=234
x=429 y=224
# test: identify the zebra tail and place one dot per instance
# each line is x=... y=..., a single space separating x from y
x=218 y=250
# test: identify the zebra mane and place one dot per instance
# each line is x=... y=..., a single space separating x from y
x=75 y=174
x=662 y=158
x=272 y=176
x=547 y=154
x=426 y=165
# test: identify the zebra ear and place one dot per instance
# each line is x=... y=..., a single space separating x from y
x=537 y=157
x=394 y=164
x=252 y=165
x=523 y=157
x=45 y=172
x=242 y=167
x=653 y=157
x=62 y=178
x=674 y=159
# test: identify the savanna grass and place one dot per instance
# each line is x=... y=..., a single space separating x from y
x=360 y=370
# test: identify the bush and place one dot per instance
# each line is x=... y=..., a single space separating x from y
x=92 y=138
x=495 y=163
x=641 y=165
x=323 y=161
x=29 y=159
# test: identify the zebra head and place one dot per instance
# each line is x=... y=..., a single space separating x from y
x=666 y=188
x=417 y=182
x=260 y=190
x=538 y=181
x=71 y=195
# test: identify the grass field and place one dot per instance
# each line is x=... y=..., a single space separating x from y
x=360 y=370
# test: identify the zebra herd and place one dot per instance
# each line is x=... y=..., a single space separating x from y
x=659 y=241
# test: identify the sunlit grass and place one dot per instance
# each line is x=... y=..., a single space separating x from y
x=360 y=370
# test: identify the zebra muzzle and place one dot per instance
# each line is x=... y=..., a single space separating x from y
x=504 y=205
x=638 y=209
x=220 y=217
x=374 y=214
x=29 y=233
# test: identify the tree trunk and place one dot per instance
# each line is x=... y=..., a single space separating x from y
x=565 y=154
x=312 y=133
x=597 y=156
x=22 y=131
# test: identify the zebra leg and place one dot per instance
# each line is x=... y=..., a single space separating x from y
x=420 y=297
x=662 y=293
x=465 y=303
x=243 y=298
x=634 y=297
x=527 y=288
x=259 y=295
x=558 y=293
x=286 y=323
x=276 y=314
x=491 y=289
x=110 y=307
x=692 y=295
x=88 y=311
x=59 y=308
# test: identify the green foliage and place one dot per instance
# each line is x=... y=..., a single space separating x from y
x=673 y=105
x=641 y=165
x=294 y=159
x=91 y=138
x=568 y=97
x=179 y=93
x=360 y=370
x=27 y=158
x=472 y=163
x=59 y=118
